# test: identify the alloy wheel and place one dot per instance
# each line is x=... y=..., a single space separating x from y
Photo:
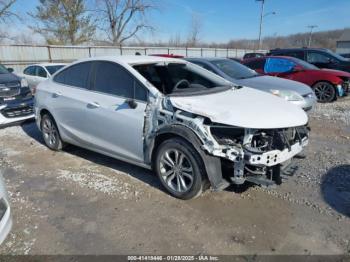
x=50 y=132
x=176 y=170
x=324 y=92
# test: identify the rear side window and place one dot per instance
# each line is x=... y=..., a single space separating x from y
x=256 y=64
x=113 y=79
x=41 y=71
x=316 y=57
x=278 y=65
x=76 y=75
x=29 y=71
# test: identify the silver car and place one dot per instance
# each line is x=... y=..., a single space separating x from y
x=292 y=91
x=192 y=127
x=5 y=212
x=35 y=74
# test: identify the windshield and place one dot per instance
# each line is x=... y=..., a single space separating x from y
x=3 y=70
x=53 y=69
x=179 y=78
x=339 y=57
x=305 y=64
x=234 y=69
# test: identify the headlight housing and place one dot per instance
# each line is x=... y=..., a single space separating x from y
x=24 y=82
x=288 y=95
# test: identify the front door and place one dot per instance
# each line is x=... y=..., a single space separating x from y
x=116 y=111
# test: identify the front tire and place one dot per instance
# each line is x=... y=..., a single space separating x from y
x=50 y=133
x=180 y=168
x=325 y=92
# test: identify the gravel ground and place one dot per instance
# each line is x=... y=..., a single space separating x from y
x=80 y=202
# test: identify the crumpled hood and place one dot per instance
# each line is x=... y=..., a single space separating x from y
x=243 y=107
x=265 y=83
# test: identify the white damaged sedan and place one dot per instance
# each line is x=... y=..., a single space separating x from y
x=192 y=127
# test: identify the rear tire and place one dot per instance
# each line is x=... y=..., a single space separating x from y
x=325 y=92
x=180 y=168
x=50 y=133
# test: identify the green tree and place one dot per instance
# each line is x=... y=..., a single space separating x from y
x=63 y=22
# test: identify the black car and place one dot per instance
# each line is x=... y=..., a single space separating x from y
x=16 y=99
x=253 y=55
x=347 y=55
x=322 y=58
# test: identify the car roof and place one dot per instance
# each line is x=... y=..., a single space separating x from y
x=206 y=59
x=297 y=49
x=48 y=64
x=133 y=60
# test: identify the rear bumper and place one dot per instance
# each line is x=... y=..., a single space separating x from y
x=16 y=111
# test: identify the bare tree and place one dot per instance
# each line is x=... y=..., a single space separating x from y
x=195 y=30
x=63 y=22
x=123 y=19
x=5 y=10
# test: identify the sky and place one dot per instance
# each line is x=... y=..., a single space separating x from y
x=223 y=20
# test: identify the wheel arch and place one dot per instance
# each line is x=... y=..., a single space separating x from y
x=329 y=82
x=212 y=165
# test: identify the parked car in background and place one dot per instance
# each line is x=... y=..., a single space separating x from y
x=168 y=55
x=322 y=58
x=16 y=100
x=35 y=74
x=347 y=55
x=190 y=125
x=297 y=93
x=327 y=84
x=5 y=212
x=235 y=59
x=253 y=55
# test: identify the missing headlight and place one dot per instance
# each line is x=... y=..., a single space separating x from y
x=227 y=135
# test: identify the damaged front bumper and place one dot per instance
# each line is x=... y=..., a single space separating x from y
x=231 y=155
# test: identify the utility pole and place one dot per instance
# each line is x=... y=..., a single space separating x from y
x=262 y=16
x=261 y=21
x=310 y=35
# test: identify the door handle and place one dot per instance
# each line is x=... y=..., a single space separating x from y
x=56 y=94
x=93 y=105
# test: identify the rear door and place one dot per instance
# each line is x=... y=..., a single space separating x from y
x=116 y=111
x=68 y=103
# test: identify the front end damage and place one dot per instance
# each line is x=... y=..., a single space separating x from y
x=237 y=154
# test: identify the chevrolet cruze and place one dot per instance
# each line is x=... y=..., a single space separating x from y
x=192 y=127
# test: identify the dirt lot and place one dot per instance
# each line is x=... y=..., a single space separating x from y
x=79 y=202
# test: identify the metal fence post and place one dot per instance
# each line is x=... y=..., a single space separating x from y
x=121 y=50
x=49 y=53
x=89 y=51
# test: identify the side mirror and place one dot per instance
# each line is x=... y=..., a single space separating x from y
x=131 y=103
x=10 y=69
